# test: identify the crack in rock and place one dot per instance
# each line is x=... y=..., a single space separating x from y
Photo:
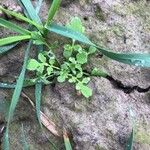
x=127 y=89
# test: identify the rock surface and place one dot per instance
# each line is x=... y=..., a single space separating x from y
x=103 y=122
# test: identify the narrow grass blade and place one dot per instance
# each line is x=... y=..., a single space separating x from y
x=31 y=11
x=137 y=59
x=67 y=141
x=6 y=48
x=38 y=93
x=14 y=27
x=38 y=6
x=52 y=11
x=27 y=83
x=21 y=17
x=19 y=85
x=24 y=142
x=7 y=85
x=130 y=141
x=13 y=39
x=5 y=144
x=64 y=31
x=141 y=60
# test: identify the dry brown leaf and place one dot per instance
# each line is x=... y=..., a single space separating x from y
x=50 y=125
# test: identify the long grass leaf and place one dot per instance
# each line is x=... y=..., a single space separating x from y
x=31 y=11
x=64 y=31
x=52 y=11
x=66 y=140
x=15 y=97
x=6 y=48
x=5 y=144
x=27 y=83
x=19 y=85
x=38 y=90
x=142 y=60
x=14 y=27
x=21 y=17
x=38 y=6
x=38 y=93
x=24 y=142
x=130 y=141
x=13 y=39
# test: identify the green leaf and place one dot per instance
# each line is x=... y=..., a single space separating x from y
x=49 y=70
x=137 y=59
x=130 y=141
x=38 y=6
x=52 y=11
x=66 y=141
x=42 y=58
x=76 y=24
x=6 y=48
x=92 y=50
x=61 y=78
x=52 y=61
x=67 y=53
x=86 y=91
x=19 y=85
x=78 y=48
x=5 y=144
x=33 y=64
x=31 y=11
x=24 y=142
x=38 y=93
x=13 y=39
x=99 y=73
x=21 y=17
x=72 y=80
x=141 y=60
x=79 y=75
x=13 y=27
x=86 y=80
x=82 y=57
x=71 y=59
x=64 y=31
x=37 y=38
x=40 y=69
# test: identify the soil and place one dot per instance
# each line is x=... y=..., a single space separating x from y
x=103 y=122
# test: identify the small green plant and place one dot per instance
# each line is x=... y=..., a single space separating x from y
x=47 y=66
x=74 y=59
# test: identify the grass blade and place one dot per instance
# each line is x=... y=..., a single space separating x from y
x=137 y=59
x=12 y=26
x=6 y=48
x=15 y=97
x=52 y=11
x=130 y=141
x=38 y=93
x=19 y=85
x=31 y=11
x=142 y=60
x=13 y=39
x=67 y=141
x=5 y=144
x=38 y=6
x=21 y=17
x=64 y=31
x=24 y=142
